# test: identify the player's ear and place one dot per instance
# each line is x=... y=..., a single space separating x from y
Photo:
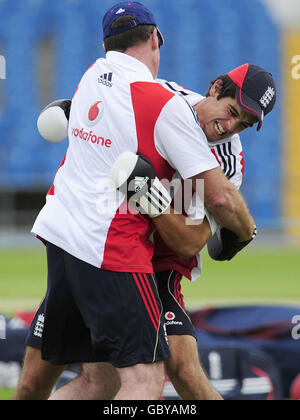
x=154 y=40
x=216 y=88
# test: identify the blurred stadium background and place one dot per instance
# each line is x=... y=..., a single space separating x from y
x=46 y=45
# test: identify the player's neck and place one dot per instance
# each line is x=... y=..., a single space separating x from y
x=200 y=110
x=144 y=54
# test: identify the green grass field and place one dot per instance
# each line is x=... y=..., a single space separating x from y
x=262 y=275
x=256 y=275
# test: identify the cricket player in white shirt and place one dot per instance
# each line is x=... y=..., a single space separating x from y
x=96 y=267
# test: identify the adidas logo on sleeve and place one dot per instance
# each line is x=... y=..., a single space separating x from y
x=106 y=79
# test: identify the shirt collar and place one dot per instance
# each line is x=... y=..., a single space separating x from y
x=125 y=60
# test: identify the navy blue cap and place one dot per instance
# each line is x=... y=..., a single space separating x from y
x=143 y=16
x=256 y=90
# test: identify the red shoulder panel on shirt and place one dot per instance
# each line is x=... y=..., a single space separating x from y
x=148 y=100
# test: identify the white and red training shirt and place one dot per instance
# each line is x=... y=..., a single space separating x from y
x=230 y=157
x=117 y=107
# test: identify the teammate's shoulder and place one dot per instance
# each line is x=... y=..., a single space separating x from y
x=182 y=109
x=190 y=96
x=174 y=86
x=236 y=143
x=233 y=141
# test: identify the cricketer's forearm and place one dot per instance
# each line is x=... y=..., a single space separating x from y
x=226 y=204
x=184 y=238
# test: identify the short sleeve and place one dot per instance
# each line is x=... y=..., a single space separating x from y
x=180 y=140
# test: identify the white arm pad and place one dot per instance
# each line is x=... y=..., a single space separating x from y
x=123 y=168
x=212 y=223
x=53 y=124
x=135 y=176
x=197 y=211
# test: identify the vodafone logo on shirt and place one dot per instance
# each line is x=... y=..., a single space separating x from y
x=90 y=136
x=169 y=316
x=94 y=113
x=170 y=319
x=91 y=118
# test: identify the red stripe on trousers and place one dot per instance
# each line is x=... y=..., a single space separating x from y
x=155 y=311
x=145 y=301
x=148 y=286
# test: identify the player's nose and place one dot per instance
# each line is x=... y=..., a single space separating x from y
x=232 y=125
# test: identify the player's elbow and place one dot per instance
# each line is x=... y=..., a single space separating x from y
x=194 y=242
x=190 y=249
x=220 y=204
x=186 y=252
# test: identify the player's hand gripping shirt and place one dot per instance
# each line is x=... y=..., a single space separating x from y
x=118 y=106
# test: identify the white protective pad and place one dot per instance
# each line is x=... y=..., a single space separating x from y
x=53 y=124
x=122 y=168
